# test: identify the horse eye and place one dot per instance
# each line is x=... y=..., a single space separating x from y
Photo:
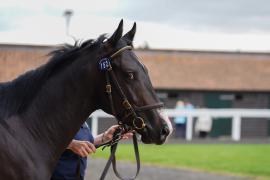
x=131 y=75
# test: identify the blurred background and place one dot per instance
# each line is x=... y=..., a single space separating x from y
x=209 y=62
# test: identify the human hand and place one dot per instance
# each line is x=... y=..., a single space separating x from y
x=82 y=148
x=108 y=134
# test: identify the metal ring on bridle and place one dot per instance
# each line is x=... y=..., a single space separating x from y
x=142 y=122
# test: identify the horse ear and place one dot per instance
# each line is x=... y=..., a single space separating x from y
x=117 y=34
x=130 y=35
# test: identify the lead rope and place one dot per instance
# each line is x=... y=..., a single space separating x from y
x=137 y=156
x=112 y=159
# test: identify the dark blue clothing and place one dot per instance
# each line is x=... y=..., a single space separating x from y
x=68 y=162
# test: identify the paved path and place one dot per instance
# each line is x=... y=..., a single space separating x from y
x=95 y=168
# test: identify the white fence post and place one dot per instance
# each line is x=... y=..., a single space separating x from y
x=236 y=128
x=189 y=128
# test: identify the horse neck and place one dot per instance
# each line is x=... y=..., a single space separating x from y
x=61 y=107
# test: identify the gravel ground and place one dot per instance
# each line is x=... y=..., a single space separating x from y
x=147 y=172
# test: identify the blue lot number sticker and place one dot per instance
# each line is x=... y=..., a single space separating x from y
x=104 y=64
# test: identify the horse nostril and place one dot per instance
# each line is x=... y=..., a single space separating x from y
x=165 y=131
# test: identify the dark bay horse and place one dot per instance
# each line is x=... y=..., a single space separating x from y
x=42 y=110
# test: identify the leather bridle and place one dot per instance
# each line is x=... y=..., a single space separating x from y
x=138 y=123
x=132 y=111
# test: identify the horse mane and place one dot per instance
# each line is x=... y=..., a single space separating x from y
x=78 y=45
x=24 y=88
x=64 y=52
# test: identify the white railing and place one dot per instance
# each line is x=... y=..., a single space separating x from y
x=235 y=114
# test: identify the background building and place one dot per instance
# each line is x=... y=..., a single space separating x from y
x=207 y=79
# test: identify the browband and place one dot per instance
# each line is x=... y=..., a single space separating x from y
x=120 y=50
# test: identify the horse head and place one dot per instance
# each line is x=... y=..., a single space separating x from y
x=129 y=95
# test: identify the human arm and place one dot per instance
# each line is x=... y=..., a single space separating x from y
x=108 y=135
x=81 y=148
x=84 y=148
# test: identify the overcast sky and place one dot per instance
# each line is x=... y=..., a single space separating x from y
x=172 y=24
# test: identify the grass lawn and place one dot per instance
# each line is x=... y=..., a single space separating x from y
x=242 y=159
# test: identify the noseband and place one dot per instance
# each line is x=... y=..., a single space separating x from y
x=138 y=122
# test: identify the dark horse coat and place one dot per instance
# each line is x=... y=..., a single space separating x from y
x=42 y=110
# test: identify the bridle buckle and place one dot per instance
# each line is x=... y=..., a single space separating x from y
x=108 y=88
x=141 y=121
x=126 y=104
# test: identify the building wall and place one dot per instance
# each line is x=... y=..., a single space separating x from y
x=15 y=61
x=252 y=127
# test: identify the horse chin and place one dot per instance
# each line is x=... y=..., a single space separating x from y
x=146 y=140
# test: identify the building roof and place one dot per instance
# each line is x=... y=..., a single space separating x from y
x=195 y=70
x=169 y=69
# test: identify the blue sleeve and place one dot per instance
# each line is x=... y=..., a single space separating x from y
x=84 y=134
